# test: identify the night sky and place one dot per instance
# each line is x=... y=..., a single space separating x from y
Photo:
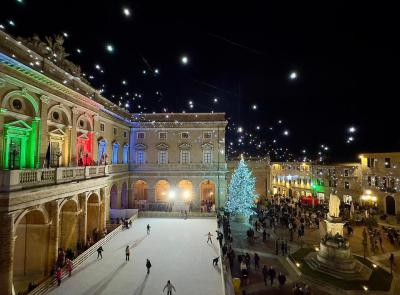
x=345 y=59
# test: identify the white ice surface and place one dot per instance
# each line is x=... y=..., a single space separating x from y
x=178 y=252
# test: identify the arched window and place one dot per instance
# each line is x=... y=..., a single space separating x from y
x=125 y=155
x=102 y=152
x=115 y=153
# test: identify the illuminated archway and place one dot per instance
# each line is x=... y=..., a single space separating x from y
x=93 y=215
x=124 y=196
x=207 y=191
x=30 y=250
x=162 y=190
x=140 y=190
x=69 y=226
x=114 y=197
x=185 y=190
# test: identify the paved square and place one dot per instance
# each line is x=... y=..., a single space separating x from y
x=178 y=252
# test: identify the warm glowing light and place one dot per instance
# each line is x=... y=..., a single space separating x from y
x=171 y=194
x=297 y=264
x=240 y=129
x=186 y=194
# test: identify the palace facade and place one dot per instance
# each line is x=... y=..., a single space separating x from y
x=69 y=156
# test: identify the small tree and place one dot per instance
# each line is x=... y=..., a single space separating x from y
x=241 y=191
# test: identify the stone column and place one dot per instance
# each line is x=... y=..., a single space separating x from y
x=75 y=114
x=54 y=234
x=83 y=218
x=7 y=239
x=44 y=138
x=2 y=111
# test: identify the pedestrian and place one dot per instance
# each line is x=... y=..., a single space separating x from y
x=277 y=247
x=148 y=229
x=256 y=261
x=99 y=252
x=264 y=235
x=265 y=274
x=281 y=279
x=283 y=248
x=58 y=276
x=169 y=288
x=247 y=260
x=209 y=235
x=148 y=265
x=286 y=247
x=272 y=274
x=127 y=253
x=68 y=263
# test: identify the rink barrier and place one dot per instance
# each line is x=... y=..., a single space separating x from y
x=51 y=282
x=161 y=214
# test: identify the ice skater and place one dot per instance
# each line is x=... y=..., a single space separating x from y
x=215 y=261
x=169 y=288
x=148 y=229
x=99 y=252
x=127 y=253
x=148 y=265
x=209 y=235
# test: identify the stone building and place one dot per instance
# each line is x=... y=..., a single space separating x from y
x=69 y=155
x=381 y=180
x=299 y=179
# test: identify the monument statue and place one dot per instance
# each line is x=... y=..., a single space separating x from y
x=334 y=204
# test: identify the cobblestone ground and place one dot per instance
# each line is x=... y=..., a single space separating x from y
x=266 y=250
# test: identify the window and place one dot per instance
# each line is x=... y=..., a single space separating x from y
x=369 y=180
x=102 y=152
x=346 y=172
x=55 y=154
x=125 y=134
x=207 y=135
x=17 y=104
x=140 y=135
x=115 y=153
x=162 y=135
x=387 y=162
x=334 y=183
x=115 y=131
x=376 y=181
x=346 y=185
x=140 y=157
x=56 y=116
x=207 y=156
x=185 y=135
x=125 y=154
x=371 y=162
x=102 y=126
x=185 y=157
x=384 y=180
x=162 y=157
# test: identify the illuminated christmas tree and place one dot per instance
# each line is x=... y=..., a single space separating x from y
x=241 y=191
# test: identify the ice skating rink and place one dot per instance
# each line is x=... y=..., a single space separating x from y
x=177 y=250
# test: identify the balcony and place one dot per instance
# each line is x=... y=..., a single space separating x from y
x=180 y=167
x=12 y=180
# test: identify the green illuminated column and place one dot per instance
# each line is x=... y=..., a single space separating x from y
x=22 y=163
x=39 y=137
x=32 y=144
x=6 y=155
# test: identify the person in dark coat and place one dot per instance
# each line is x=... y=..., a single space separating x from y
x=265 y=274
x=148 y=265
x=256 y=261
x=281 y=279
x=99 y=252
x=272 y=274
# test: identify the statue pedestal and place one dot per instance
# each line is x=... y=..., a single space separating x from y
x=334 y=257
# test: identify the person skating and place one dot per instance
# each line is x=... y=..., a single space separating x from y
x=169 y=288
x=272 y=274
x=256 y=261
x=148 y=265
x=265 y=274
x=209 y=235
x=127 y=253
x=148 y=229
x=281 y=279
x=99 y=252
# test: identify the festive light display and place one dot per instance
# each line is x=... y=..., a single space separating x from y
x=241 y=191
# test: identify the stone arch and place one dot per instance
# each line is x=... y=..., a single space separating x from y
x=207 y=191
x=93 y=215
x=390 y=205
x=68 y=224
x=114 y=197
x=87 y=122
x=66 y=120
x=162 y=189
x=30 y=248
x=124 y=196
x=185 y=190
x=21 y=93
x=140 y=190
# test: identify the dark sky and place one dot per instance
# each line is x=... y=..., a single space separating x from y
x=346 y=58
